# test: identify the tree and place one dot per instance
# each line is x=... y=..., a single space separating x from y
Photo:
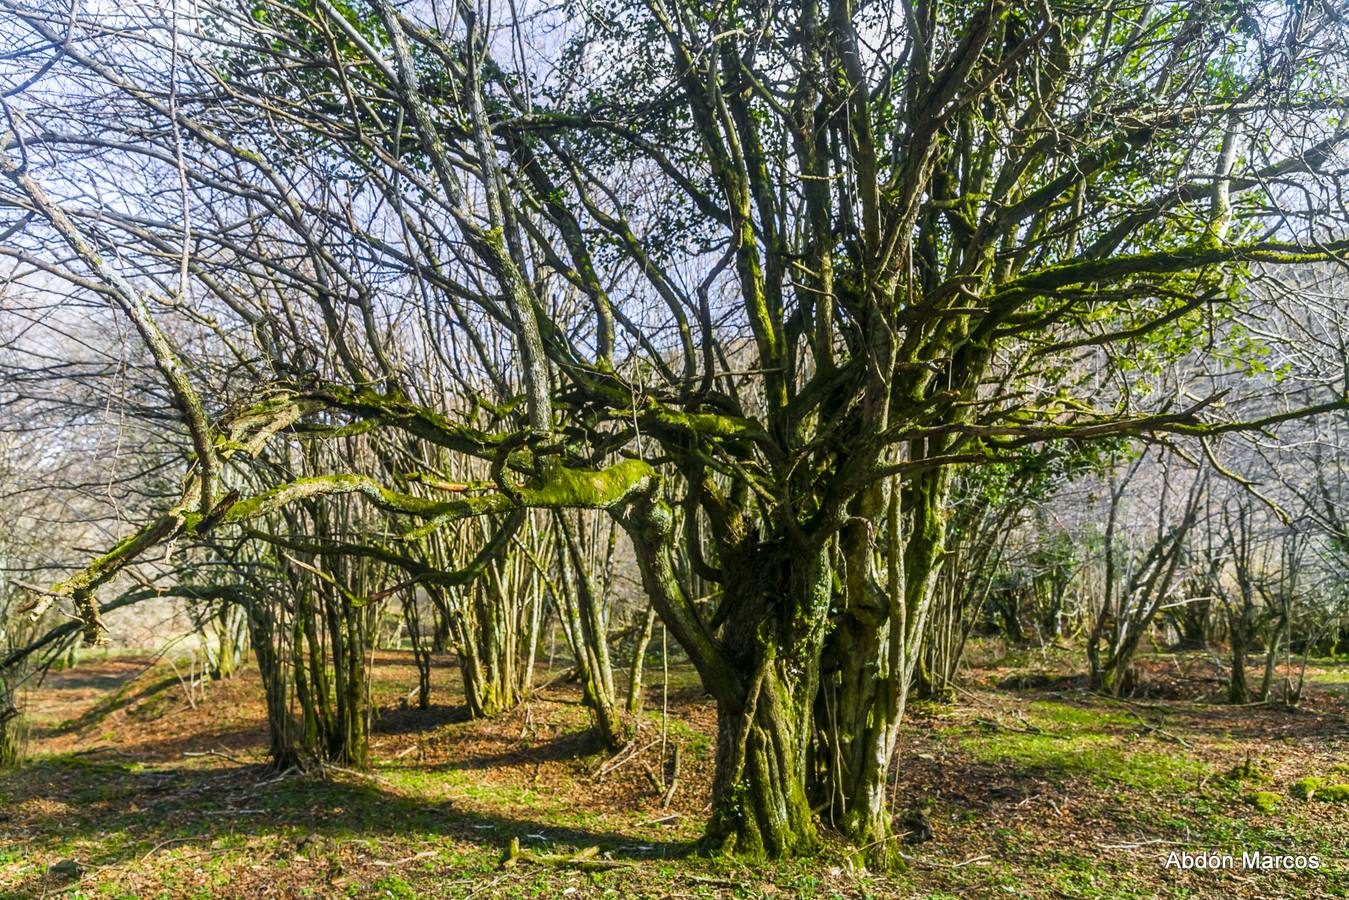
x=1140 y=574
x=800 y=260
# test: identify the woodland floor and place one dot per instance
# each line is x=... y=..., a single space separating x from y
x=1033 y=789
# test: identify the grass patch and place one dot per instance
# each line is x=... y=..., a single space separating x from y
x=1068 y=740
x=1047 y=713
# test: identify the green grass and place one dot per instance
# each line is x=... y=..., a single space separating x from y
x=1065 y=740
x=1048 y=713
x=693 y=741
x=1329 y=678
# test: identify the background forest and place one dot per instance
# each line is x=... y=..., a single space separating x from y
x=823 y=434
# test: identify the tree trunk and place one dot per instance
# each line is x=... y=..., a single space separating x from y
x=585 y=623
x=486 y=641
x=11 y=738
x=349 y=629
x=872 y=653
x=1238 y=692
x=282 y=740
x=421 y=654
x=1009 y=610
x=642 y=641
x=1271 y=661
x=763 y=670
x=440 y=632
x=231 y=638
x=10 y=744
x=759 y=805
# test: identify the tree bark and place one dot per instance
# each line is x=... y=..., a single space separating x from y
x=282 y=744
x=1238 y=691
x=641 y=642
x=873 y=652
x=762 y=667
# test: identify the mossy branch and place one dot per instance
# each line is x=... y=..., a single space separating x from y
x=1164 y=263
x=559 y=488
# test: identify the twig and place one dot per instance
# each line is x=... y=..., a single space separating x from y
x=405 y=860
x=623 y=757
x=582 y=859
x=1136 y=844
x=330 y=767
x=674 y=780
x=219 y=753
x=482 y=887
x=939 y=865
x=719 y=882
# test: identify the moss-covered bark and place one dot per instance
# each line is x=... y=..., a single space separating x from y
x=883 y=600
x=761 y=664
x=11 y=730
x=759 y=802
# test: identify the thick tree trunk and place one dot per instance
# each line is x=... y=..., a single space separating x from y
x=759 y=804
x=763 y=669
x=872 y=654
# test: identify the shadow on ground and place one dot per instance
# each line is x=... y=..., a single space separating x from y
x=84 y=797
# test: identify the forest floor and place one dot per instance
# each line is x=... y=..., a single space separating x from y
x=141 y=785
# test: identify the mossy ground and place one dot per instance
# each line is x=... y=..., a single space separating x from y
x=1043 y=792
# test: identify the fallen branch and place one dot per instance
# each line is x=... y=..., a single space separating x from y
x=627 y=754
x=405 y=860
x=329 y=767
x=674 y=780
x=585 y=860
x=939 y=865
x=1156 y=729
